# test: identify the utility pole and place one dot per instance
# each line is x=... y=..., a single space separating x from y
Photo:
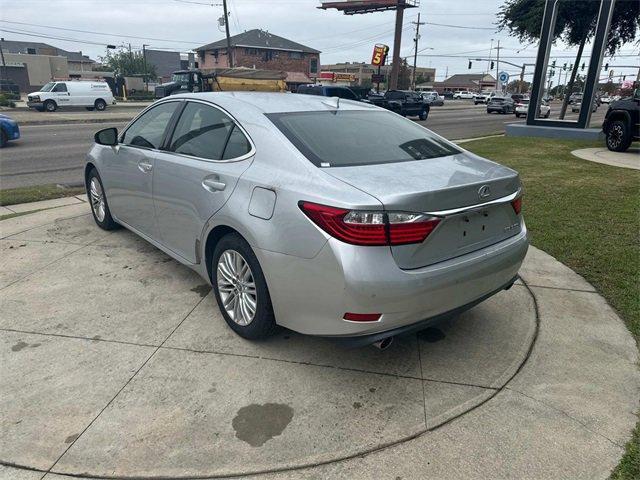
x=146 y=72
x=226 y=27
x=498 y=48
x=397 y=39
x=415 y=53
x=4 y=65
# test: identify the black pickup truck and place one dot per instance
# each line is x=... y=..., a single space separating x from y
x=621 y=124
x=403 y=102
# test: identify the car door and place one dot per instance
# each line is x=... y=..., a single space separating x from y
x=196 y=173
x=61 y=95
x=128 y=169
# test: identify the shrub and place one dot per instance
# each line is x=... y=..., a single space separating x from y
x=5 y=101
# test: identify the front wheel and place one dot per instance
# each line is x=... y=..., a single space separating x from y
x=618 y=136
x=423 y=114
x=50 y=106
x=241 y=289
x=98 y=200
x=518 y=115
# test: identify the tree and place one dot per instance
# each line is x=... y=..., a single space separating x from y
x=127 y=63
x=404 y=76
x=518 y=86
x=576 y=22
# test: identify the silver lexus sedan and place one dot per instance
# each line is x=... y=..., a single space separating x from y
x=325 y=216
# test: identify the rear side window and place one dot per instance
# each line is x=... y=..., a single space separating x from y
x=395 y=95
x=359 y=137
x=148 y=130
x=204 y=131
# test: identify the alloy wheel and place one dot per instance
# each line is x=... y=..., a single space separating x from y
x=97 y=199
x=615 y=136
x=236 y=287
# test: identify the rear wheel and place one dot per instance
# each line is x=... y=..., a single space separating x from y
x=618 y=136
x=423 y=114
x=50 y=106
x=240 y=289
x=100 y=105
x=98 y=199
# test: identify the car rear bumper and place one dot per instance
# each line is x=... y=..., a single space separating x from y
x=311 y=296
x=496 y=109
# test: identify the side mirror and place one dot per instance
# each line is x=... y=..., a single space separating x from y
x=108 y=137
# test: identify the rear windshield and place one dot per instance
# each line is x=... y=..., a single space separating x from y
x=356 y=137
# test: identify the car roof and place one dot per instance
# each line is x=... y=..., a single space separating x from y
x=247 y=103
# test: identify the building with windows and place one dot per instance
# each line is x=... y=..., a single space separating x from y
x=363 y=72
x=263 y=50
x=474 y=82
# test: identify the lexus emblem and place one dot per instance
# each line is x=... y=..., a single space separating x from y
x=484 y=192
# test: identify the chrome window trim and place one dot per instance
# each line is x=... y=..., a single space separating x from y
x=247 y=155
x=479 y=206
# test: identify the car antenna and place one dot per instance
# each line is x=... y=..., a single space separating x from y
x=336 y=105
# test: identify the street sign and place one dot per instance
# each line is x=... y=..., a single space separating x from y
x=377 y=78
x=379 y=55
x=503 y=77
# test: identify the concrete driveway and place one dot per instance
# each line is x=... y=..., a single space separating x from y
x=116 y=363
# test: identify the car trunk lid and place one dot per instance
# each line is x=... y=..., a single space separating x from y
x=447 y=187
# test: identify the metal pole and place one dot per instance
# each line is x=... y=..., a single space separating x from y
x=397 y=40
x=4 y=65
x=415 y=53
x=226 y=27
x=146 y=72
x=498 y=65
x=521 y=79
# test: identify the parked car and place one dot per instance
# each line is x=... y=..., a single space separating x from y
x=621 y=124
x=403 y=102
x=522 y=108
x=605 y=99
x=92 y=95
x=329 y=91
x=448 y=94
x=9 y=86
x=482 y=97
x=575 y=98
x=575 y=107
x=464 y=95
x=9 y=130
x=501 y=104
x=433 y=99
x=348 y=221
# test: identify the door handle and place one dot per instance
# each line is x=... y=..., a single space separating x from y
x=145 y=167
x=213 y=185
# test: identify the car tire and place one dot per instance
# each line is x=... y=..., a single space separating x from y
x=100 y=105
x=98 y=201
x=50 y=106
x=548 y=114
x=423 y=114
x=3 y=139
x=232 y=256
x=518 y=115
x=618 y=136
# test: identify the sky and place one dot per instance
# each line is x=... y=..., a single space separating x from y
x=181 y=25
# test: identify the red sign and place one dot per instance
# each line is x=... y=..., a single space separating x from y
x=379 y=55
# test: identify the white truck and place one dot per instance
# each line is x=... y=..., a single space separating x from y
x=92 y=95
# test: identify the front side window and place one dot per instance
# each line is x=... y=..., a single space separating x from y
x=60 y=87
x=47 y=87
x=148 y=130
x=353 y=137
x=204 y=131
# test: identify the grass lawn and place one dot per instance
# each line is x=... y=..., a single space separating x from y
x=587 y=216
x=14 y=196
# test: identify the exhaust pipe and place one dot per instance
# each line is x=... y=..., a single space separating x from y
x=383 y=344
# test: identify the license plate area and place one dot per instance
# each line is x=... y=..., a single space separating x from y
x=476 y=227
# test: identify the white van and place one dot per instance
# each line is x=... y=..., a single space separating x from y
x=91 y=95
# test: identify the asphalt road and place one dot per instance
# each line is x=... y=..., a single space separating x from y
x=56 y=153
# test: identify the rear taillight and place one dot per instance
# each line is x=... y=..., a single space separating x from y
x=517 y=205
x=363 y=227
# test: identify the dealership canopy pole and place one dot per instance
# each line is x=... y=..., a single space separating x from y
x=226 y=27
x=397 y=40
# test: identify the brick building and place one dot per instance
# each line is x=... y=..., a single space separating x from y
x=474 y=82
x=363 y=71
x=263 y=50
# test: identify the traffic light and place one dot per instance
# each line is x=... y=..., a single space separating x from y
x=553 y=64
x=564 y=67
x=470 y=64
x=606 y=67
x=553 y=73
x=491 y=66
x=582 y=68
x=624 y=77
x=571 y=67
